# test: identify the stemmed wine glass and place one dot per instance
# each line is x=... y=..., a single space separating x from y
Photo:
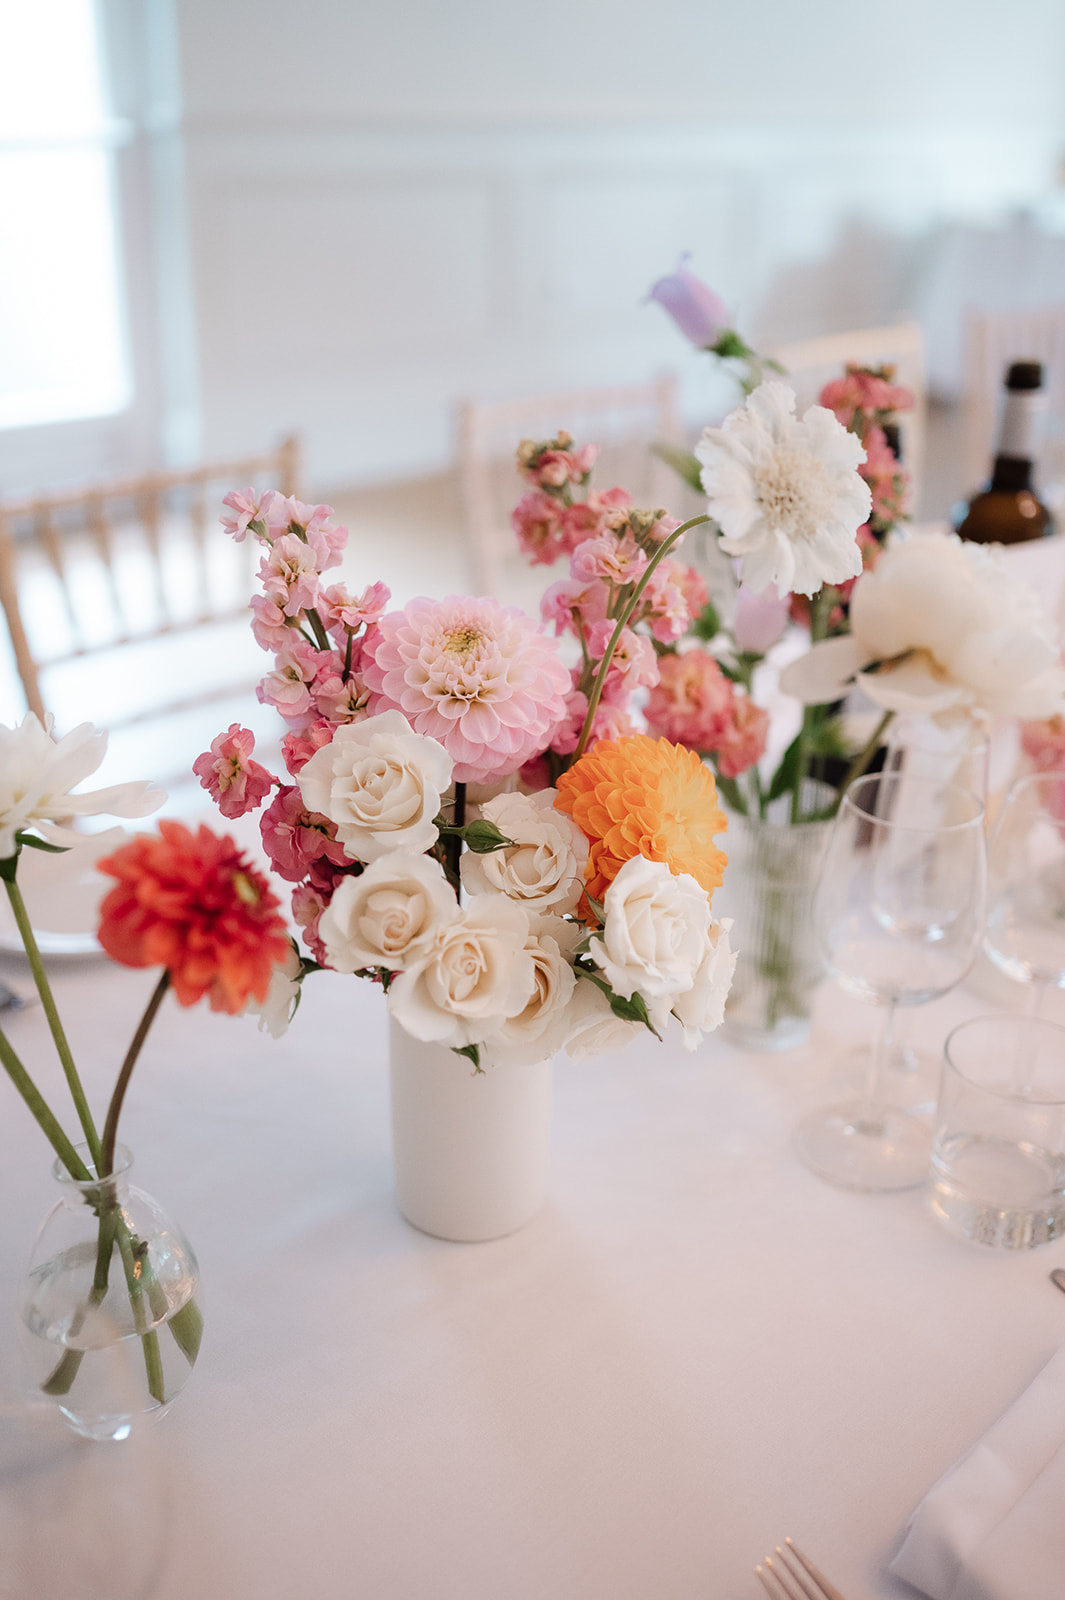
x=899 y=916
x=1025 y=935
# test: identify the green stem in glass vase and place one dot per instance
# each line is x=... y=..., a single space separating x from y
x=626 y=612
x=118 y=1094
x=820 y=610
x=865 y=755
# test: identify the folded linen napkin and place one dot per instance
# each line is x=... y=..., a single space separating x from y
x=993 y=1527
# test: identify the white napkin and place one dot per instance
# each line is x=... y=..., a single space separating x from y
x=993 y=1527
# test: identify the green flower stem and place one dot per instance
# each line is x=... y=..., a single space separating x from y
x=53 y=1132
x=627 y=611
x=40 y=978
x=862 y=760
x=118 y=1094
x=820 y=609
x=454 y=843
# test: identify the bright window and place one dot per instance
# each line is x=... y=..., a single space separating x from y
x=62 y=343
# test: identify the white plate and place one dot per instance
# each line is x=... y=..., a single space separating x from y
x=62 y=895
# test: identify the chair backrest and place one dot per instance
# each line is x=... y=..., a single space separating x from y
x=810 y=363
x=624 y=421
x=91 y=579
x=990 y=341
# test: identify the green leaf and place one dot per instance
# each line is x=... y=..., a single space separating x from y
x=733 y=674
x=707 y=624
x=684 y=464
x=41 y=844
x=483 y=836
x=472 y=1052
x=187 y=1327
x=634 y=1010
x=730 y=346
x=787 y=774
x=729 y=790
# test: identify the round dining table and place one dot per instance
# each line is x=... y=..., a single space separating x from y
x=693 y=1350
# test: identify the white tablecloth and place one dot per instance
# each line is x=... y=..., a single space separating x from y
x=695 y=1349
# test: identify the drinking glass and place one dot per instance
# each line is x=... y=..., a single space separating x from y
x=1025 y=935
x=899 y=913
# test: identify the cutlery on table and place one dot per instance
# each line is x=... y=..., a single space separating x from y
x=789 y=1575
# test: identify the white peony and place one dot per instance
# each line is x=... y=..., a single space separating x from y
x=949 y=629
x=387 y=915
x=540 y=1029
x=786 y=493
x=381 y=783
x=37 y=773
x=592 y=1029
x=655 y=934
x=472 y=975
x=701 y=1008
x=544 y=868
x=275 y=1012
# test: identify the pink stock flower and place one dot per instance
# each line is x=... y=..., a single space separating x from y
x=246 y=503
x=269 y=625
x=692 y=703
x=886 y=479
x=692 y=586
x=338 y=701
x=665 y=604
x=634 y=664
x=537 y=523
x=1044 y=744
x=743 y=742
x=700 y=314
x=760 y=619
x=556 y=467
x=860 y=389
x=288 y=687
x=295 y=839
x=298 y=748
x=661 y=530
x=569 y=601
x=480 y=678
x=613 y=560
x=289 y=574
x=341 y=613
x=307 y=907
x=235 y=782
x=611 y=721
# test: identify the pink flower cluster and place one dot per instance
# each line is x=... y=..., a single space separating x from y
x=867 y=391
x=694 y=704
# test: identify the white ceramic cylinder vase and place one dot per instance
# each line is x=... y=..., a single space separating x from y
x=471 y=1150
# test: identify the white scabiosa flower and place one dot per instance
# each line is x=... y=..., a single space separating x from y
x=786 y=492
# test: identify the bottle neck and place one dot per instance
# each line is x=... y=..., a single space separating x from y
x=1017 y=440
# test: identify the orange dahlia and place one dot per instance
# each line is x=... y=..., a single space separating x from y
x=190 y=902
x=644 y=797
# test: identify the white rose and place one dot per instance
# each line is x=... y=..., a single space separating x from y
x=275 y=1012
x=381 y=783
x=592 y=1029
x=541 y=1028
x=471 y=976
x=655 y=934
x=701 y=1008
x=387 y=915
x=544 y=868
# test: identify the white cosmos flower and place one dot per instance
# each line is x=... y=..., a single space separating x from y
x=37 y=773
x=942 y=626
x=786 y=492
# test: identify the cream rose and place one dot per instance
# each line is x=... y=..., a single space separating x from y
x=654 y=938
x=381 y=783
x=544 y=868
x=592 y=1029
x=540 y=1029
x=701 y=1008
x=388 y=914
x=472 y=975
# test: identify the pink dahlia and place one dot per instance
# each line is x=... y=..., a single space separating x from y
x=480 y=678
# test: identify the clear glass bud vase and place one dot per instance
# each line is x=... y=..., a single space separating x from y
x=773 y=870
x=110 y=1304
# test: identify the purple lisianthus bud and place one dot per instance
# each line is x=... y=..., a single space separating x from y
x=700 y=314
x=760 y=619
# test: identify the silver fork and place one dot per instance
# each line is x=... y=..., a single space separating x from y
x=789 y=1575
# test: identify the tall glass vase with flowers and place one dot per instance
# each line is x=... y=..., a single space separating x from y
x=110 y=1310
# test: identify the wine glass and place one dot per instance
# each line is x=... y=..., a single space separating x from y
x=1025 y=935
x=950 y=750
x=899 y=914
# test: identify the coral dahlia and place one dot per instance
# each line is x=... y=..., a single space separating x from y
x=480 y=678
x=644 y=797
x=191 y=902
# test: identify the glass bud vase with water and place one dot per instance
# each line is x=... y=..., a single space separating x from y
x=899 y=915
x=1026 y=886
x=110 y=1311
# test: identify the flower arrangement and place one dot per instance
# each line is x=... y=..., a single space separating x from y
x=570 y=906
x=812 y=511
x=185 y=902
